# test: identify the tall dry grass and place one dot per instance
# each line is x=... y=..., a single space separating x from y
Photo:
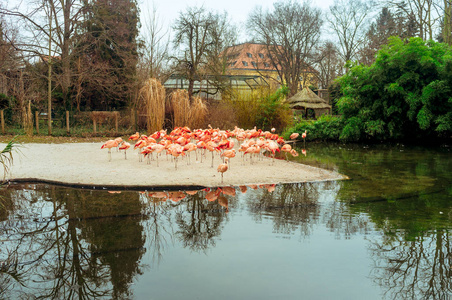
x=152 y=94
x=181 y=107
x=185 y=113
x=198 y=113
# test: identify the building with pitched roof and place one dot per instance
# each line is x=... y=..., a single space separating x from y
x=248 y=67
x=254 y=59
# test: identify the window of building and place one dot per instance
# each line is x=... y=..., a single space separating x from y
x=249 y=54
x=261 y=55
x=245 y=63
x=254 y=64
x=267 y=65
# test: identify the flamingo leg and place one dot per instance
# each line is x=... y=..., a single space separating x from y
x=212 y=160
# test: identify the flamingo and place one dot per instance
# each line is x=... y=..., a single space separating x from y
x=119 y=140
x=134 y=136
x=229 y=154
x=109 y=144
x=140 y=144
x=294 y=135
x=124 y=146
x=223 y=168
x=211 y=146
x=273 y=147
x=189 y=147
x=253 y=150
x=286 y=148
x=304 y=138
x=176 y=150
x=157 y=148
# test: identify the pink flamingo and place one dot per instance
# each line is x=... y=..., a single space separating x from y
x=304 y=138
x=286 y=148
x=157 y=148
x=124 y=146
x=223 y=168
x=119 y=140
x=134 y=136
x=109 y=144
x=294 y=135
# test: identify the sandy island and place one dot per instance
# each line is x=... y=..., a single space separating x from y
x=86 y=165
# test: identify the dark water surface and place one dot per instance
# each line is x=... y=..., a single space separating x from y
x=383 y=234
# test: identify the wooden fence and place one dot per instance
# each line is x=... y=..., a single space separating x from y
x=97 y=117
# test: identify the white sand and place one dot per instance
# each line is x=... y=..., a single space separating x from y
x=86 y=164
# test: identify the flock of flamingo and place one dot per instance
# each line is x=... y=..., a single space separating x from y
x=182 y=141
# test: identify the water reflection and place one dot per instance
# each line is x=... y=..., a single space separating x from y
x=70 y=247
x=412 y=259
x=70 y=243
x=291 y=206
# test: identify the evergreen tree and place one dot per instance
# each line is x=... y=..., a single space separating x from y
x=109 y=53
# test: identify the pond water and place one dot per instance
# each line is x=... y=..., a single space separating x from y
x=383 y=234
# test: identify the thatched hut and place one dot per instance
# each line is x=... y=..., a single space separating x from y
x=306 y=99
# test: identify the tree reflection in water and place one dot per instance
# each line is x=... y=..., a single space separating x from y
x=71 y=245
x=159 y=227
x=419 y=269
x=412 y=259
x=199 y=222
x=291 y=206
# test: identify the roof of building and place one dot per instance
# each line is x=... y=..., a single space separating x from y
x=249 y=56
x=252 y=56
x=306 y=98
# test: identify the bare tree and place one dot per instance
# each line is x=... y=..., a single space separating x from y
x=446 y=32
x=52 y=26
x=9 y=56
x=64 y=17
x=290 y=32
x=155 y=58
x=327 y=64
x=200 y=35
x=423 y=14
x=348 y=20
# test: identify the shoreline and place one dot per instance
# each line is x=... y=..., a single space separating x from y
x=85 y=165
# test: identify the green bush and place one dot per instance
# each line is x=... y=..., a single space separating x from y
x=405 y=94
x=325 y=128
x=273 y=111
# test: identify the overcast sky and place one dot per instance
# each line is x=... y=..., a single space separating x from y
x=238 y=10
